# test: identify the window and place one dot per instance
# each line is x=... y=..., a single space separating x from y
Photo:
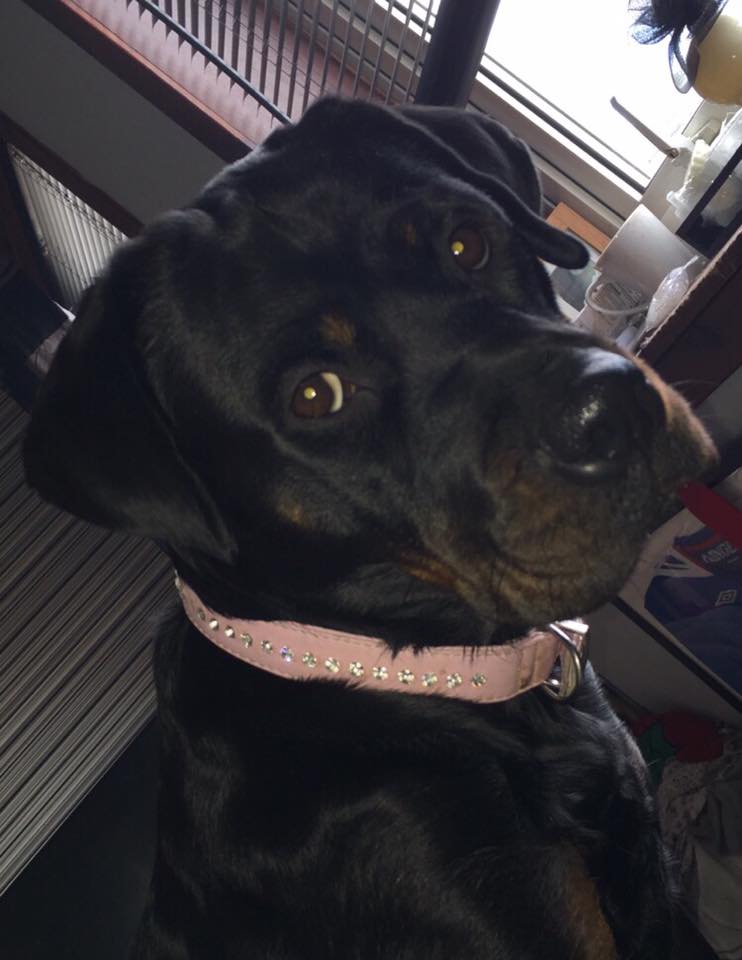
x=549 y=72
x=578 y=56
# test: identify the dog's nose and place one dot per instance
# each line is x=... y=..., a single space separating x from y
x=608 y=411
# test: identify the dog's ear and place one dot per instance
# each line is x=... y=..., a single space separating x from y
x=98 y=444
x=486 y=154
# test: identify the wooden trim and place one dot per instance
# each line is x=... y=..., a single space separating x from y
x=699 y=345
x=565 y=218
x=16 y=228
x=143 y=76
x=62 y=171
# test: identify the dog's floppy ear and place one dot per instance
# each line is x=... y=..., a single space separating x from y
x=98 y=445
x=487 y=155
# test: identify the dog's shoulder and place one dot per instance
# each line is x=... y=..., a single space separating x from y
x=401 y=810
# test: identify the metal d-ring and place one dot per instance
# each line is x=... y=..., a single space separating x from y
x=571 y=667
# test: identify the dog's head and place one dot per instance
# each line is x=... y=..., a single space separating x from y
x=337 y=388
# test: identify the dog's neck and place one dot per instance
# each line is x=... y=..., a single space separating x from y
x=551 y=658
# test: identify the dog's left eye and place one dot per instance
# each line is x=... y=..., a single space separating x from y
x=321 y=394
x=469 y=247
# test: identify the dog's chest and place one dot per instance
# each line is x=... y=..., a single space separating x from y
x=395 y=815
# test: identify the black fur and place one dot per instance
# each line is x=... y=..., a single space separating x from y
x=311 y=820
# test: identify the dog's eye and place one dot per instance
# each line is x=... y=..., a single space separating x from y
x=469 y=248
x=320 y=395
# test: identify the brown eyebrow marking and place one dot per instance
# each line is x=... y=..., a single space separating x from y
x=294 y=513
x=337 y=329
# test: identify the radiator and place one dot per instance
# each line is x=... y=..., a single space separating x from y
x=77 y=241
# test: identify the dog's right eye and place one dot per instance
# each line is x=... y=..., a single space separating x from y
x=321 y=394
x=469 y=247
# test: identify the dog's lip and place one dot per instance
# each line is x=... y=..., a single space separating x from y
x=671 y=487
x=475 y=586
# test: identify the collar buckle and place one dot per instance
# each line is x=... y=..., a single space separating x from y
x=569 y=669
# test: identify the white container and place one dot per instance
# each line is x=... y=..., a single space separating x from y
x=642 y=253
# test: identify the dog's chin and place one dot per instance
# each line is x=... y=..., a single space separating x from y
x=570 y=568
x=571 y=597
x=523 y=598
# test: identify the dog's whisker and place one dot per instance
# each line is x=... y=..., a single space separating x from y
x=692 y=382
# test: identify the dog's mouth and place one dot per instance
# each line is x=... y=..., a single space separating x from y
x=558 y=546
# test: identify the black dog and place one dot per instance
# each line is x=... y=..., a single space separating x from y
x=337 y=390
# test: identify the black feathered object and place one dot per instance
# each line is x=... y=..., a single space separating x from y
x=658 y=19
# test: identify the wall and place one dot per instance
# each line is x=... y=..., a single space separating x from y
x=632 y=662
x=722 y=411
x=111 y=135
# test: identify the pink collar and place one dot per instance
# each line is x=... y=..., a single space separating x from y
x=552 y=657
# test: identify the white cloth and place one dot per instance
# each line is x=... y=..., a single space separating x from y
x=701 y=815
